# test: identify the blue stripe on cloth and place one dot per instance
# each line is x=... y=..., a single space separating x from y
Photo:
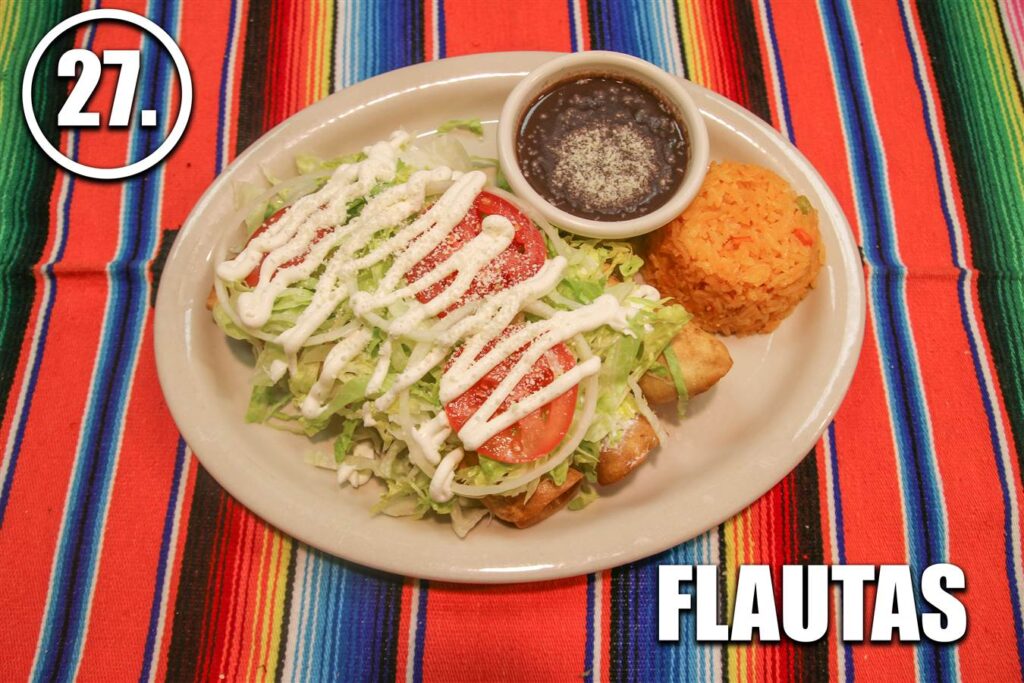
x=421 y=633
x=351 y=631
x=780 y=75
x=148 y=654
x=330 y=608
x=75 y=564
x=442 y=41
x=355 y=634
x=370 y=642
x=574 y=45
x=687 y=659
x=332 y=600
x=636 y=654
x=312 y=589
x=393 y=38
x=225 y=80
x=634 y=620
x=963 y=294
x=837 y=505
x=625 y=26
x=925 y=523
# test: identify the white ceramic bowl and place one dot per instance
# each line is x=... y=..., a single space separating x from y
x=671 y=90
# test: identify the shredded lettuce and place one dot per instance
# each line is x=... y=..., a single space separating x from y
x=500 y=180
x=343 y=444
x=585 y=459
x=282 y=194
x=665 y=321
x=582 y=290
x=350 y=392
x=228 y=326
x=593 y=268
x=486 y=471
x=559 y=474
x=310 y=163
x=586 y=495
x=465 y=516
x=677 y=378
x=406 y=496
x=265 y=401
x=491 y=164
x=469 y=125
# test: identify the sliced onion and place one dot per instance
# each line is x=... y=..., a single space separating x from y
x=563 y=300
x=568 y=447
x=334 y=334
x=324 y=337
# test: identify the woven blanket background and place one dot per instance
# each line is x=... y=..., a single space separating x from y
x=120 y=558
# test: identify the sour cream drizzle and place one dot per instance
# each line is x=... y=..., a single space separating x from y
x=348 y=474
x=393 y=308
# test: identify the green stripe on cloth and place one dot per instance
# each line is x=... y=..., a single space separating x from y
x=26 y=174
x=984 y=114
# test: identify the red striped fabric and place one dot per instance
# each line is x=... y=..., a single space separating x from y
x=539 y=631
x=187 y=584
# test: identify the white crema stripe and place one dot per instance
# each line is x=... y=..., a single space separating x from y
x=444 y=477
x=389 y=208
x=293 y=234
x=467 y=370
x=316 y=233
x=338 y=357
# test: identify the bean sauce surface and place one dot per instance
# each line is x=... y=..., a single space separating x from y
x=602 y=148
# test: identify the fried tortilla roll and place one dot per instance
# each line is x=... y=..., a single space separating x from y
x=617 y=461
x=545 y=501
x=703 y=360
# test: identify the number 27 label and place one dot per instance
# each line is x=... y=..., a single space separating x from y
x=73 y=114
x=87 y=68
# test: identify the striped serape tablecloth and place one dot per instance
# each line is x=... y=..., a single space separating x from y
x=121 y=559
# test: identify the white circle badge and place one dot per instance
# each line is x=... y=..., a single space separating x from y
x=184 y=109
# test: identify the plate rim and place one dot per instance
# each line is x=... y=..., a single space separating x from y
x=489 y=65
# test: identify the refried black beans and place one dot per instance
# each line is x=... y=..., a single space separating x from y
x=602 y=148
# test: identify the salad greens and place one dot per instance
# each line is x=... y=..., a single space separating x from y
x=470 y=125
x=280 y=383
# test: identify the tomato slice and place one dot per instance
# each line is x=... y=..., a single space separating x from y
x=520 y=261
x=253 y=278
x=538 y=433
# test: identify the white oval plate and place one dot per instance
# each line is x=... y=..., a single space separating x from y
x=738 y=441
